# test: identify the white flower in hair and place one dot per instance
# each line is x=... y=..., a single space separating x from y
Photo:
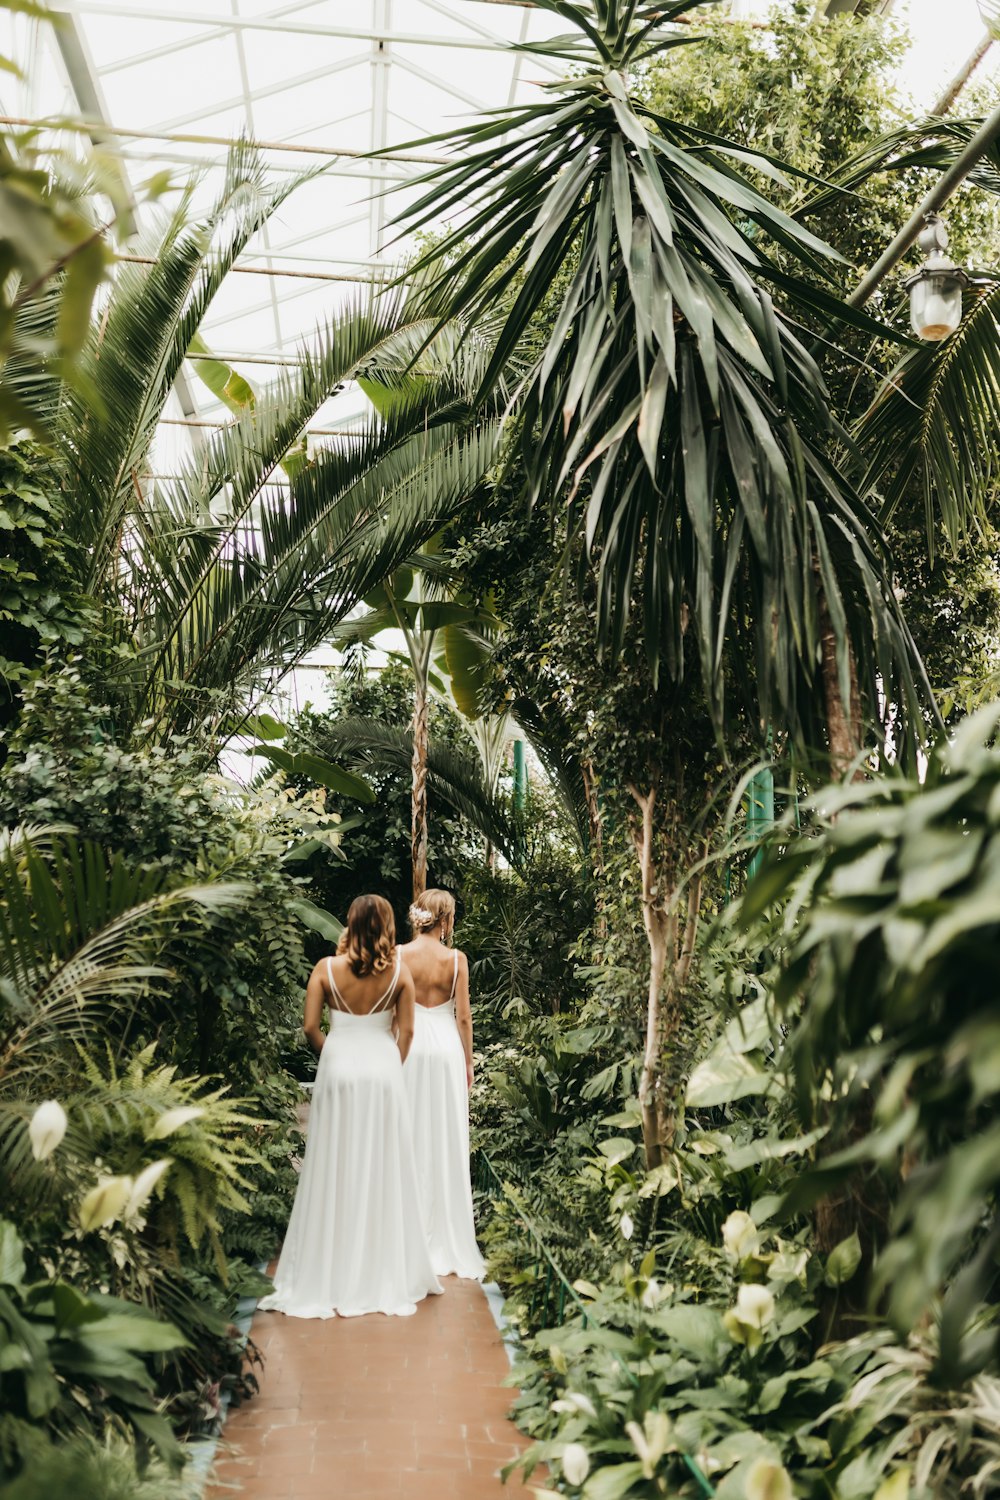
x=421 y=914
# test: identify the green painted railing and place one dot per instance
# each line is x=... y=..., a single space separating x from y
x=550 y=1297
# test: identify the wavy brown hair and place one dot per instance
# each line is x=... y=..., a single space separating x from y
x=369 y=939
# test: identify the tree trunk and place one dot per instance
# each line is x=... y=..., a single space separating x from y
x=596 y=846
x=418 y=804
x=660 y=922
x=843 y=721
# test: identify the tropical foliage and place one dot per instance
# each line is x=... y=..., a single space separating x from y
x=634 y=488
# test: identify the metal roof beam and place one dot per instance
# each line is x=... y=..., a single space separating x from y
x=283 y=86
x=81 y=127
x=168 y=48
x=296 y=28
x=439 y=83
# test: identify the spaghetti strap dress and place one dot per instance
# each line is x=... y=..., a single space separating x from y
x=356 y=1241
x=439 y=1106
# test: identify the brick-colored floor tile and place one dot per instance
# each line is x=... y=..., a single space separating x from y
x=377 y=1408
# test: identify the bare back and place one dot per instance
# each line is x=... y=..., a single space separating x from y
x=435 y=971
x=360 y=996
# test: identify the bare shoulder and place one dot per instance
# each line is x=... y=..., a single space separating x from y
x=405 y=977
x=463 y=960
x=319 y=969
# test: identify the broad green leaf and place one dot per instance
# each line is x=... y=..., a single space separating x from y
x=316 y=918
x=11 y=1255
x=613 y=1482
x=315 y=768
x=843 y=1260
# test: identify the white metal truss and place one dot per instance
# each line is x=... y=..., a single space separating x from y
x=162 y=87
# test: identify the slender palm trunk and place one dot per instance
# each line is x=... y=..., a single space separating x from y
x=671 y=954
x=418 y=801
x=843 y=721
x=660 y=923
x=596 y=845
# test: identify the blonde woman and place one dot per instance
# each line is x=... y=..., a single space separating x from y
x=356 y=1241
x=438 y=1076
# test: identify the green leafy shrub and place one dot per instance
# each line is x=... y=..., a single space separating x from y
x=238 y=976
x=41 y=603
x=890 y=923
x=72 y=1360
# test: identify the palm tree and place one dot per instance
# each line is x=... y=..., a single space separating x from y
x=676 y=417
x=221 y=579
x=432 y=625
x=673 y=407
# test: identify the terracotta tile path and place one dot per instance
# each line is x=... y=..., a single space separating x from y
x=366 y=1408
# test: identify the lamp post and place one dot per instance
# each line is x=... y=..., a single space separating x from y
x=936 y=289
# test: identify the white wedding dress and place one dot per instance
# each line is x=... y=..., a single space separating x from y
x=439 y=1107
x=356 y=1241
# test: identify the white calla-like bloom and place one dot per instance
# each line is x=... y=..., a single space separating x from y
x=575 y=1463
x=173 y=1119
x=753 y=1311
x=106 y=1202
x=143 y=1186
x=767 y=1480
x=575 y=1401
x=627 y=1226
x=754 y=1305
x=739 y=1236
x=46 y=1128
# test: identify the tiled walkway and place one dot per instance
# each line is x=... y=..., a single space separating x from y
x=366 y=1408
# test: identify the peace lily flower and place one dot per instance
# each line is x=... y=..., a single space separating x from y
x=753 y=1311
x=143 y=1186
x=627 y=1226
x=46 y=1128
x=173 y=1119
x=767 y=1480
x=739 y=1236
x=654 y=1293
x=575 y=1401
x=105 y=1202
x=575 y=1463
x=651 y=1440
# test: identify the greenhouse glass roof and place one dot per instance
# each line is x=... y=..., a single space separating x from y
x=318 y=82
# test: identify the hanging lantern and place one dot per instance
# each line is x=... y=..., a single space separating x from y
x=936 y=289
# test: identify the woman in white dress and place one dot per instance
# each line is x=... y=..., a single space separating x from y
x=438 y=1076
x=356 y=1241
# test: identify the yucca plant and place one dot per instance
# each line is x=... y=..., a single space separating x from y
x=674 y=409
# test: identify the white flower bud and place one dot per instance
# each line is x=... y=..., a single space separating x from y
x=575 y=1463
x=754 y=1305
x=767 y=1480
x=627 y=1226
x=173 y=1119
x=739 y=1236
x=105 y=1202
x=143 y=1186
x=46 y=1128
x=753 y=1311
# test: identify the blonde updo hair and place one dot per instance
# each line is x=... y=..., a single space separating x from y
x=369 y=939
x=433 y=909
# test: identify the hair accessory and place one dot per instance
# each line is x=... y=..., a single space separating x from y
x=421 y=914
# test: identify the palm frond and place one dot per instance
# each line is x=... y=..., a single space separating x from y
x=80 y=932
x=457 y=779
x=551 y=741
x=673 y=411
x=138 y=346
x=934 y=423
